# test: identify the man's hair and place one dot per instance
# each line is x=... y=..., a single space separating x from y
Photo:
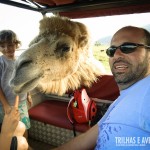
x=8 y=36
x=146 y=33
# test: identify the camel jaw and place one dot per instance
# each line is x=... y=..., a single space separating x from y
x=24 y=87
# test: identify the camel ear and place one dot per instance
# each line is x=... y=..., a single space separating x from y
x=83 y=38
x=83 y=41
x=35 y=40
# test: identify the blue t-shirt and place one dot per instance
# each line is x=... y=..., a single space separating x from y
x=126 y=124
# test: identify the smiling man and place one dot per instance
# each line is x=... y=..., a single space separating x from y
x=128 y=57
x=126 y=124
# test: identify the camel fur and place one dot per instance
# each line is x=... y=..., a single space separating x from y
x=57 y=60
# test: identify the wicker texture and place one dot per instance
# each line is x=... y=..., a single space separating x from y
x=49 y=134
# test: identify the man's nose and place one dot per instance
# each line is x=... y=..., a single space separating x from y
x=118 y=52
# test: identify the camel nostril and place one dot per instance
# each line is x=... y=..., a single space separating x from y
x=24 y=63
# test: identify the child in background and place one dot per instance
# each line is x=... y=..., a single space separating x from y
x=9 y=42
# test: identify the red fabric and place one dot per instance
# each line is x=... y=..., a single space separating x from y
x=107 y=11
x=54 y=113
x=105 y=88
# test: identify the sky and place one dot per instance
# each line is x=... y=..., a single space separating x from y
x=26 y=23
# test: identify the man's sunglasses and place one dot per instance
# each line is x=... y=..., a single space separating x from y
x=125 y=48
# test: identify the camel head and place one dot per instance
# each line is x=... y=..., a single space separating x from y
x=57 y=60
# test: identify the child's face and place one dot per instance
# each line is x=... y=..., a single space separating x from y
x=8 y=49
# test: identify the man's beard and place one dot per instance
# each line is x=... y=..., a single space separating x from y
x=134 y=74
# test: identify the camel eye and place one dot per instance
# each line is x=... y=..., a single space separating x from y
x=62 y=48
x=65 y=48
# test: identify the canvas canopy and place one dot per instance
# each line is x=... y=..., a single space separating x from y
x=83 y=8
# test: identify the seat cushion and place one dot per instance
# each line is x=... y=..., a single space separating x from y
x=55 y=113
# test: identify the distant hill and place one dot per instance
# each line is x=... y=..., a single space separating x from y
x=106 y=40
